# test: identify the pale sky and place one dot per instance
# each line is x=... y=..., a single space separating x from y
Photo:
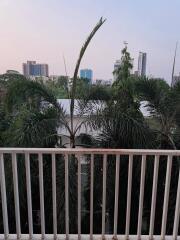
x=44 y=30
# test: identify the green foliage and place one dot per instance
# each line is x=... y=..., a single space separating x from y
x=30 y=92
x=90 y=92
x=125 y=83
x=123 y=72
x=163 y=103
x=123 y=129
x=59 y=87
x=4 y=125
x=32 y=128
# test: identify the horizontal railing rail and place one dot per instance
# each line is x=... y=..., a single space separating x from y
x=146 y=155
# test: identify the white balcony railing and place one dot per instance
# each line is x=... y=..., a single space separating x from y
x=27 y=152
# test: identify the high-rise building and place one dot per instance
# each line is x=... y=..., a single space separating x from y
x=116 y=66
x=86 y=74
x=31 y=68
x=142 y=64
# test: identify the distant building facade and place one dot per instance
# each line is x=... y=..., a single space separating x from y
x=142 y=60
x=86 y=74
x=33 y=69
x=103 y=82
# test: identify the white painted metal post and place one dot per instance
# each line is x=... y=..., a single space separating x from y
x=3 y=197
x=54 y=195
x=116 y=195
x=166 y=197
x=41 y=190
x=141 y=198
x=29 y=198
x=79 y=197
x=154 y=193
x=128 y=209
x=67 y=196
x=16 y=195
x=105 y=152
x=177 y=211
x=91 y=195
x=104 y=196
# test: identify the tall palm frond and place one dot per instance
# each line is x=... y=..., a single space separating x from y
x=74 y=83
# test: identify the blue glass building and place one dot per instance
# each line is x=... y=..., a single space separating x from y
x=86 y=74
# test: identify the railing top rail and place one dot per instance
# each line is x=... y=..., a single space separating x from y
x=91 y=151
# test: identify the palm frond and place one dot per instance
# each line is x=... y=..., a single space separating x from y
x=82 y=51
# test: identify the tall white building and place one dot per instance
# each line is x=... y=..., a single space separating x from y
x=142 y=60
x=116 y=66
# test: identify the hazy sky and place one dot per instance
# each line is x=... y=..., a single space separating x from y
x=44 y=30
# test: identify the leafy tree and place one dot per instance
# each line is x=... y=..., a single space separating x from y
x=59 y=87
x=123 y=72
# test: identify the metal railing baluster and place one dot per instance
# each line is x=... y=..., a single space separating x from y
x=67 y=196
x=29 y=196
x=91 y=195
x=104 y=195
x=54 y=195
x=116 y=195
x=16 y=195
x=166 y=197
x=41 y=191
x=128 y=208
x=141 y=198
x=154 y=193
x=4 y=197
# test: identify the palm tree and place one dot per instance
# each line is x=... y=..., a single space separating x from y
x=163 y=104
x=34 y=93
x=35 y=116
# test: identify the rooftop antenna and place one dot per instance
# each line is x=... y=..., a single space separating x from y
x=174 y=63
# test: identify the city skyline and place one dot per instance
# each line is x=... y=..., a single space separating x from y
x=29 y=33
